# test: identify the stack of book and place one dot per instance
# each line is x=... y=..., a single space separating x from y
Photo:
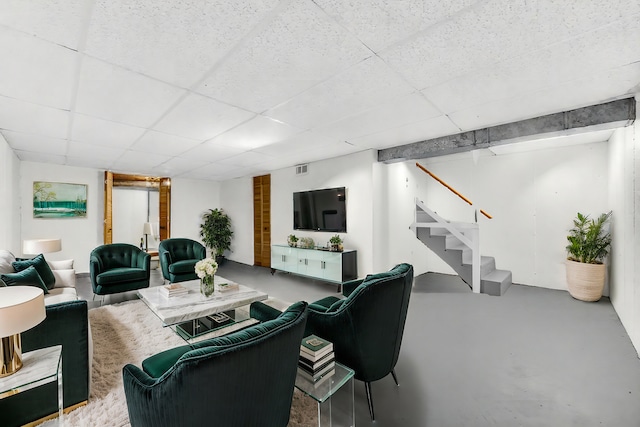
x=225 y=287
x=173 y=290
x=317 y=361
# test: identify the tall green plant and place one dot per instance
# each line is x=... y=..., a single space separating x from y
x=215 y=231
x=589 y=240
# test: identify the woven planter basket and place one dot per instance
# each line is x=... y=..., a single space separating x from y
x=585 y=281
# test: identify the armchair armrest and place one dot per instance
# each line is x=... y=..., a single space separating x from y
x=263 y=312
x=350 y=286
x=143 y=261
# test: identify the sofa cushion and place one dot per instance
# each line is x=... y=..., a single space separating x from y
x=120 y=275
x=41 y=266
x=26 y=277
x=58 y=295
x=6 y=259
x=65 y=278
x=181 y=267
x=66 y=264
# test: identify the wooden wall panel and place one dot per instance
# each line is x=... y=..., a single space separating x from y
x=262 y=220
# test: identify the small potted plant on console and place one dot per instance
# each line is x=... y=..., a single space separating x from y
x=336 y=243
x=292 y=240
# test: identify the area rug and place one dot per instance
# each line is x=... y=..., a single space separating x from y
x=129 y=333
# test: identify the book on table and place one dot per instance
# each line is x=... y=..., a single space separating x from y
x=314 y=348
x=320 y=380
x=329 y=368
x=315 y=365
x=173 y=290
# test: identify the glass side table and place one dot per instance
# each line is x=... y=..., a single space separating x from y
x=330 y=414
x=39 y=367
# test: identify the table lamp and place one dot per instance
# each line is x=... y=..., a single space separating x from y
x=146 y=230
x=21 y=308
x=41 y=246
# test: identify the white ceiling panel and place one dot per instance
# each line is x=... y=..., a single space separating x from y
x=413 y=132
x=103 y=132
x=178 y=165
x=210 y=171
x=357 y=89
x=38 y=71
x=299 y=143
x=40 y=157
x=210 y=152
x=175 y=41
x=36 y=143
x=248 y=158
x=119 y=95
x=300 y=48
x=140 y=159
x=164 y=143
x=398 y=112
x=202 y=118
x=381 y=23
x=25 y=117
x=89 y=162
x=255 y=133
x=58 y=21
x=83 y=149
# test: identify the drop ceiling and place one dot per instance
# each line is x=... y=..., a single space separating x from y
x=223 y=89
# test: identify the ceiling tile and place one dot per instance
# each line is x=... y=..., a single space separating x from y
x=211 y=171
x=89 y=151
x=178 y=165
x=255 y=133
x=30 y=156
x=299 y=143
x=413 y=132
x=139 y=159
x=103 y=132
x=89 y=162
x=119 y=95
x=58 y=21
x=35 y=143
x=380 y=23
x=210 y=152
x=398 y=112
x=35 y=70
x=202 y=118
x=301 y=47
x=175 y=41
x=247 y=158
x=25 y=117
x=164 y=143
x=355 y=90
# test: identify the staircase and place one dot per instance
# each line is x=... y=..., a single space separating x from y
x=458 y=245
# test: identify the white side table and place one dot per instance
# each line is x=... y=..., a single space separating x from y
x=322 y=391
x=39 y=367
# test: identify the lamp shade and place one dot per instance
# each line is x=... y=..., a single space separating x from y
x=148 y=228
x=21 y=308
x=41 y=246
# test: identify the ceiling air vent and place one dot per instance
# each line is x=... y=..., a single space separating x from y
x=302 y=169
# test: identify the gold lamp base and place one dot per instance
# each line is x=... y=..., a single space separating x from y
x=11 y=351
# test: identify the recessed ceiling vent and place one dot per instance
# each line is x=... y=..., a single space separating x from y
x=302 y=169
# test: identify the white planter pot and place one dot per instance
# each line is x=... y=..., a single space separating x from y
x=585 y=281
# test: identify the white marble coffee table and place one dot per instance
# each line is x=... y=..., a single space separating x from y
x=194 y=305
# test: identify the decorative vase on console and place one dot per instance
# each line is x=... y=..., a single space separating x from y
x=206 y=270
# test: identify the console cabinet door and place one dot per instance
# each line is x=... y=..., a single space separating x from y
x=310 y=263
x=332 y=266
x=284 y=258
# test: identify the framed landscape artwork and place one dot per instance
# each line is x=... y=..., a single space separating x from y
x=59 y=200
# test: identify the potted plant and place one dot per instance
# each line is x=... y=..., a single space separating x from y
x=216 y=233
x=589 y=243
x=336 y=243
x=292 y=240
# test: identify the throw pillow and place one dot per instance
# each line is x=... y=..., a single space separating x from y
x=26 y=277
x=66 y=264
x=6 y=258
x=41 y=266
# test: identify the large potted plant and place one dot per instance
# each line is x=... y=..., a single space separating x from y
x=216 y=233
x=589 y=243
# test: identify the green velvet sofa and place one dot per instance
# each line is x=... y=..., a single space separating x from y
x=366 y=327
x=242 y=379
x=178 y=257
x=66 y=324
x=118 y=267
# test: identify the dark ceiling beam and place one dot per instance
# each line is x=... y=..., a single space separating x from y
x=609 y=115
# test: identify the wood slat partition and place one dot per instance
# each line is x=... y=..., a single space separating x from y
x=262 y=220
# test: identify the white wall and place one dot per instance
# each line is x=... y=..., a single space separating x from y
x=532 y=196
x=353 y=172
x=190 y=198
x=10 y=196
x=624 y=198
x=79 y=235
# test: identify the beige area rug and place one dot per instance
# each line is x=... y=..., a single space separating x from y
x=129 y=333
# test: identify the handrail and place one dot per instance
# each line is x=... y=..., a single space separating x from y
x=453 y=190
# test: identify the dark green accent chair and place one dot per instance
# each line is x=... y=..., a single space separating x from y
x=242 y=379
x=366 y=327
x=66 y=324
x=119 y=267
x=178 y=258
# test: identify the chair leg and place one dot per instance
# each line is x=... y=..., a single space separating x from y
x=367 y=387
x=395 y=378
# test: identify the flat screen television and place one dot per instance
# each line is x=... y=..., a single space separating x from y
x=320 y=210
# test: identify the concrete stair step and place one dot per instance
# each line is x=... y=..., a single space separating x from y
x=496 y=283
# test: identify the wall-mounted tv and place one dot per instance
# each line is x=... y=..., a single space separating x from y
x=320 y=210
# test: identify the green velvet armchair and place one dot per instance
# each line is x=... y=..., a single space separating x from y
x=242 y=379
x=366 y=327
x=118 y=267
x=178 y=258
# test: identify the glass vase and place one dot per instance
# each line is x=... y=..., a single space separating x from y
x=206 y=286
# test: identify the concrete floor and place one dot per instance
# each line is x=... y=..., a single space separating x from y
x=532 y=357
